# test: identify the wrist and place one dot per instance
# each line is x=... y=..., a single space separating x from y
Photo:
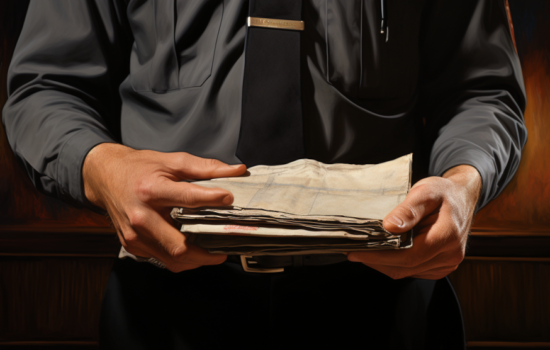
x=95 y=169
x=467 y=178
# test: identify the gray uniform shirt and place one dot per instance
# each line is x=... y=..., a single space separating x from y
x=166 y=75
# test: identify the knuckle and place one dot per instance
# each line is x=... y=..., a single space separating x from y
x=419 y=186
x=145 y=191
x=131 y=239
x=431 y=195
x=211 y=163
x=189 y=198
x=179 y=253
x=178 y=159
x=187 y=159
x=137 y=218
x=429 y=191
x=182 y=157
x=421 y=189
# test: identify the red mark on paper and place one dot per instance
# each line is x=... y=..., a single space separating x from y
x=238 y=227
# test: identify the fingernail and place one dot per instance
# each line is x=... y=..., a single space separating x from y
x=396 y=221
x=235 y=166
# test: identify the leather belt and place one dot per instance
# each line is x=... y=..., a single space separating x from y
x=273 y=264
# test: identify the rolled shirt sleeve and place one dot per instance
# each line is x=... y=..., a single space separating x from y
x=472 y=93
x=63 y=89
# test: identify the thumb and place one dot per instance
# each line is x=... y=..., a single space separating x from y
x=420 y=202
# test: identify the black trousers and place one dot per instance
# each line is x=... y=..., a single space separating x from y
x=341 y=306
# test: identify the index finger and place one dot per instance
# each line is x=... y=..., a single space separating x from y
x=189 y=167
x=169 y=193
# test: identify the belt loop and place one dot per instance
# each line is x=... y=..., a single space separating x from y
x=297 y=260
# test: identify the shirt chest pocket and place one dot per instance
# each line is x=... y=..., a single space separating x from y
x=175 y=42
x=363 y=62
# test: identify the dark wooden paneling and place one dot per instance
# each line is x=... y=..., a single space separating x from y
x=504 y=299
x=51 y=298
x=58 y=241
x=62 y=345
x=517 y=246
x=508 y=345
x=20 y=202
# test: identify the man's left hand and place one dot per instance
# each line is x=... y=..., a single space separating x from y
x=440 y=209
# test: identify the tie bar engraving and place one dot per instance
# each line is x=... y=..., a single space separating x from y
x=275 y=23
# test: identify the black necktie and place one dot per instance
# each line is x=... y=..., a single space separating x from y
x=271 y=125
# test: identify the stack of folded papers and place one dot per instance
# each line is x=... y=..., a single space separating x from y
x=304 y=207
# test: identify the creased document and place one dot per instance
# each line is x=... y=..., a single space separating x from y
x=304 y=207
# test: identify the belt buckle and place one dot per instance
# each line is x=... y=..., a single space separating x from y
x=247 y=268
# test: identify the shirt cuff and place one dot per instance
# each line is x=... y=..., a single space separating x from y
x=123 y=254
x=71 y=160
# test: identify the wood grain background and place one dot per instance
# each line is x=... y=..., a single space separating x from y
x=20 y=203
x=524 y=205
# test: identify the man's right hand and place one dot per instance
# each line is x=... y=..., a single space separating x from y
x=139 y=188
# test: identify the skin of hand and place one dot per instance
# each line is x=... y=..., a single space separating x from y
x=440 y=209
x=138 y=188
